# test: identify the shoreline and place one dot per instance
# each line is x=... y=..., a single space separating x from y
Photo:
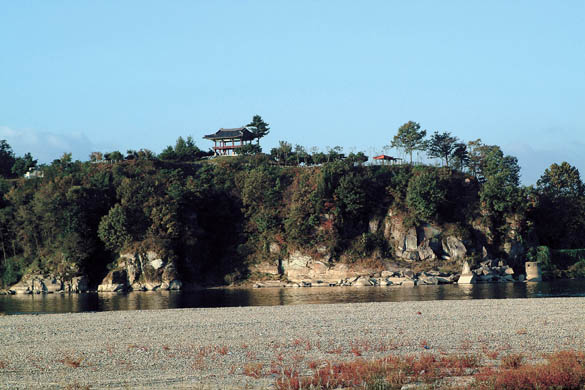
x=213 y=347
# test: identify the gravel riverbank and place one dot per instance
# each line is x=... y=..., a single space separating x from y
x=226 y=348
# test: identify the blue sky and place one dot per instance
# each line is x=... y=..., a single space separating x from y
x=78 y=76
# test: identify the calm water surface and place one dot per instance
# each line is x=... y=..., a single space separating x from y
x=64 y=303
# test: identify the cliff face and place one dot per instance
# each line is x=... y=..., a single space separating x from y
x=423 y=247
x=149 y=226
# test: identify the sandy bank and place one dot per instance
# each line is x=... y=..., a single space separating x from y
x=214 y=348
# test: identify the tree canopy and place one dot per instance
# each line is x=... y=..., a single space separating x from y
x=6 y=159
x=410 y=138
x=442 y=146
x=261 y=127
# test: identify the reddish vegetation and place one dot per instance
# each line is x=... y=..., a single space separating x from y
x=253 y=370
x=391 y=370
x=71 y=361
x=561 y=371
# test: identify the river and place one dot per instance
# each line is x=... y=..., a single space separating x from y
x=67 y=303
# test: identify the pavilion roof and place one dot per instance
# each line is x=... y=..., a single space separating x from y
x=385 y=157
x=244 y=133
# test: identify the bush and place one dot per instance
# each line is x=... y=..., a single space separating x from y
x=12 y=270
x=424 y=195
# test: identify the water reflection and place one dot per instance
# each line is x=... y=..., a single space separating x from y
x=62 y=303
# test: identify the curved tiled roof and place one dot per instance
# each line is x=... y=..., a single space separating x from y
x=239 y=132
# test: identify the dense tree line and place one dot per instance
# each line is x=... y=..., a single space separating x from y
x=217 y=216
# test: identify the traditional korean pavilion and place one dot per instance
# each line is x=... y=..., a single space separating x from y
x=227 y=141
x=385 y=158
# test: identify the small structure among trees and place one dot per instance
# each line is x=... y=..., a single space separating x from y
x=383 y=158
x=228 y=141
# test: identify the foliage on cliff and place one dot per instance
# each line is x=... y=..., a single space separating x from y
x=216 y=217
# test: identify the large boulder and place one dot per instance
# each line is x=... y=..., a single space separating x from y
x=36 y=284
x=115 y=281
x=467 y=276
x=265 y=268
x=145 y=271
x=51 y=285
x=454 y=247
x=533 y=271
x=413 y=244
x=299 y=267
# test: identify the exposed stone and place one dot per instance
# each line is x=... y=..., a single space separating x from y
x=265 y=268
x=152 y=255
x=411 y=256
x=521 y=278
x=425 y=252
x=454 y=247
x=411 y=240
x=21 y=287
x=467 y=277
x=362 y=282
x=408 y=283
x=533 y=272
x=51 y=285
x=77 y=284
x=149 y=286
x=274 y=248
x=114 y=281
x=374 y=225
x=175 y=285
x=396 y=280
x=157 y=263
x=432 y=280
x=111 y=287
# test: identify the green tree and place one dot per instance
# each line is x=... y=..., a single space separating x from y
x=301 y=154
x=335 y=154
x=460 y=156
x=184 y=150
x=410 y=138
x=96 y=156
x=23 y=164
x=6 y=159
x=249 y=150
x=561 y=180
x=424 y=195
x=560 y=212
x=261 y=128
x=282 y=153
x=442 y=146
x=114 y=156
x=357 y=158
x=500 y=192
x=113 y=229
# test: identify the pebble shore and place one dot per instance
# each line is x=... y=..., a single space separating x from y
x=224 y=348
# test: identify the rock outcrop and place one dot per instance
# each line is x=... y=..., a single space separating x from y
x=142 y=272
x=422 y=243
x=533 y=271
x=37 y=284
x=299 y=267
x=467 y=277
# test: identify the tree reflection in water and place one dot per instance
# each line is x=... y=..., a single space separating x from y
x=67 y=303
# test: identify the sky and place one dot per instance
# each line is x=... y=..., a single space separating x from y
x=81 y=76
